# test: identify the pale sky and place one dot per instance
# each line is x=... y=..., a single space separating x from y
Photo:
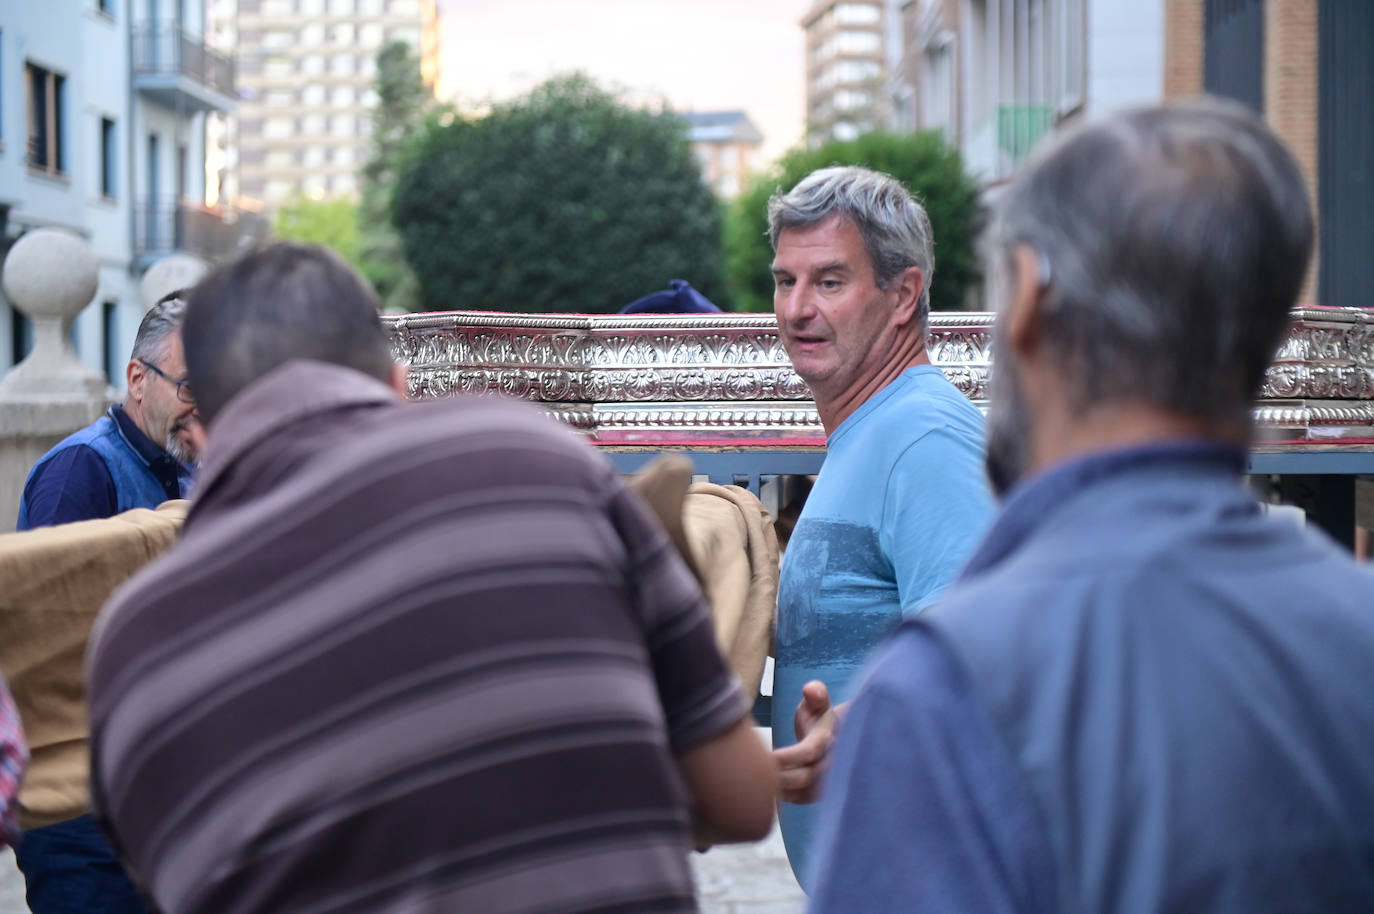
x=700 y=55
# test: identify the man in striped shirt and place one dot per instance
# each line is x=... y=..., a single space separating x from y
x=406 y=658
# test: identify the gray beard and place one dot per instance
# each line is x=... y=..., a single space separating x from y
x=1008 y=428
x=174 y=447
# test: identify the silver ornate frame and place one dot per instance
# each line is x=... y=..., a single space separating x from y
x=725 y=381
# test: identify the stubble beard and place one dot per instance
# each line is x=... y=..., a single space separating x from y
x=1009 y=428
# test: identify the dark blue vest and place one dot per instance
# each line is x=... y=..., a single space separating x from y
x=135 y=484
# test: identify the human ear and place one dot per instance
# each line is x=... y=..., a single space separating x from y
x=1023 y=318
x=909 y=285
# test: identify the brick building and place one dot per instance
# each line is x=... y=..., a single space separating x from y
x=1308 y=67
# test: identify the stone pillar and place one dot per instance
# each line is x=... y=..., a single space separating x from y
x=50 y=276
x=1290 y=95
x=1183 y=47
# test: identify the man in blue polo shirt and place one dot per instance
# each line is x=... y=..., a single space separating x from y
x=902 y=498
x=1142 y=694
x=138 y=454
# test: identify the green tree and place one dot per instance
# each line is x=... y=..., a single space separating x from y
x=403 y=103
x=930 y=169
x=566 y=199
x=332 y=223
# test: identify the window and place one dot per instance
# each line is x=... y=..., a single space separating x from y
x=341 y=64
x=312 y=125
x=21 y=336
x=370 y=7
x=277 y=68
x=343 y=156
x=312 y=96
x=279 y=158
x=341 y=125
x=109 y=356
x=278 y=190
x=342 y=97
x=858 y=42
x=277 y=128
x=312 y=7
x=108 y=158
x=370 y=34
x=277 y=38
x=312 y=65
x=312 y=36
x=341 y=7
x=105 y=6
x=314 y=186
x=345 y=34
x=369 y=98
x=313 y=157
x=344 y=185
x=856 y=14
x=45 y=90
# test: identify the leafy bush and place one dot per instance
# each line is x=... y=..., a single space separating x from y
x=564 y=200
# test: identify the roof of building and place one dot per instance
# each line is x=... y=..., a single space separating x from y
x=721 y=127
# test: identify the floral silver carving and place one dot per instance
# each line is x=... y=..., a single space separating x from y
x=726 y=379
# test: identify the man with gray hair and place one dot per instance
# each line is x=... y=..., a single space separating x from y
x=902 y=498
x=138 y=454
x=1143 y=694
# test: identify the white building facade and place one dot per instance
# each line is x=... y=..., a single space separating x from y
x=997 y=75
x=102 y=132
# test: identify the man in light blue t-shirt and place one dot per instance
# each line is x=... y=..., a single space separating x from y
x=902 y=498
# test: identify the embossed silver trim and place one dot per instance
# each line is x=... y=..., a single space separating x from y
x=727 y=378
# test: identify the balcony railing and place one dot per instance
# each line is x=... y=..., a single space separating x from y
x=171 y=51
x=212 y=233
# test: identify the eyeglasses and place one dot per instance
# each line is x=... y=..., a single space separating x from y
x=183 y=387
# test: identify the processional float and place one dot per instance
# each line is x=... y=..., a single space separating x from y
x=720 y=390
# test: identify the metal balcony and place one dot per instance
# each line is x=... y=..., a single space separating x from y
x=213 y=233
x=178 y=70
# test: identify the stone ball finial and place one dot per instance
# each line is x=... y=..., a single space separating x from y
x=50 y=276
x=173 y=272
x=50 y=273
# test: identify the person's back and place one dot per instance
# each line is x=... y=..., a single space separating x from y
x=1206 y=701
x=1142 y=694
x=407 y=657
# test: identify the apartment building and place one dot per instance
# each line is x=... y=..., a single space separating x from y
x=306 y=69
x=726 y=144
x=998 y=75
x=848 y=45
x=103 y=105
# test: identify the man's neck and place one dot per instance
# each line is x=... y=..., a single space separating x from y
x=1063 y=437
x=834 y=410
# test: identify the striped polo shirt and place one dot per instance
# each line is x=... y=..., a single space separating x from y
x=405 y=658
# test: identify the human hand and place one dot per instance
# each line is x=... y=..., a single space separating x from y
x=802 y=766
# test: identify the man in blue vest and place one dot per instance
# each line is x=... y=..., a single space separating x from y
x=1143 y=693
x=138 y=454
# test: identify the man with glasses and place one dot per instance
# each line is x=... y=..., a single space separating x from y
x=138 y=454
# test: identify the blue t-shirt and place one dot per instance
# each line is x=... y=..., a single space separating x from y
x=898 y=507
